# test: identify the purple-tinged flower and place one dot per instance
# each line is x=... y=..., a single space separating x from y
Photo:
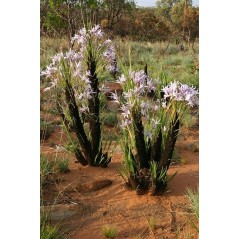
x=170 y=90
x=105 y=89
x=127 y=95
x=53 y=84
x=122 y=79
x=155 y=123
x=139 y=77
x=88 y=74
x=57 y=57
x=77 y=72
x=81 y=38
x=73 y=56
x=144 y=108
x=155 y=107
x=107 y=42
x=51 y=69
x=83 y=31
x=148 y=134
x=126 y=111
x=85 y=78
x=164 y=104
x=83 y=109
x=97 y=32
x=125 y=123
x=109 y=53
x=112 y=68
x=115 y=97
x=80 y=96
x=110 y=56
x=150 y=85
x=89 y=93
x=180 y=92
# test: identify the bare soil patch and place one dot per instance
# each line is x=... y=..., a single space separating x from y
x=104 y=200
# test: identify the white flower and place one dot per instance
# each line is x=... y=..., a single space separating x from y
x=125 y=110
x=57 y=57
x=126 y=122
x=108 y=41
x=164 y=104
x=97 y=32
x=105 y=89
x=155 y=123
x=148 y=134
x=83 y=109
x=121 y=79
x=115 y=97
x=53 y=84
x=51 y=69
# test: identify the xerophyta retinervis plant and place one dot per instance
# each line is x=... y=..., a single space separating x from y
x=151 y=120
x=75 y=82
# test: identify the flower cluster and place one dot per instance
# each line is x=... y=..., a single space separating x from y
x=95 y=35
x=142 y=84
x=181 y=92
x=135 y=86
x=73 y=63
x=153 y=112
x=110 y=56
x=56 y=69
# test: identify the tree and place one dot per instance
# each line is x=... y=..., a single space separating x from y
x=164 y=7
x=185 y=19
x=65 y=16
x=114 y=10
x=148 y=26
x=191 y=23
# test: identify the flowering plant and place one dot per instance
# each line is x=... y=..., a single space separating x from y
x=74 y=75
x=151 y=115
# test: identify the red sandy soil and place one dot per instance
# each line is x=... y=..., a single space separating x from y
x=117 y=206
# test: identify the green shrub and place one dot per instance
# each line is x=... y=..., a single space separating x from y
x=174 y=61
x=45 y=129
x=188 y=62
x=196 y=148
x=62 y=165
x=109 y=231
x=173 y=49
x=153 y=223
x=110 y=119
x=48 y=231
x=193 y=197
x=46 y=169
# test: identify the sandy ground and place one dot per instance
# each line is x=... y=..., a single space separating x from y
x=167 y=216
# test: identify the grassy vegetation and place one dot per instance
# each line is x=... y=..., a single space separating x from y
x=193 y=197
x=176 y=64
x=179 y=65
x=153 y=223
x=46 y=169
x=62 y=165
x=47 y=230
x=109 y=118
x=109 y=231
x=45 y=129
x=49 y=47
